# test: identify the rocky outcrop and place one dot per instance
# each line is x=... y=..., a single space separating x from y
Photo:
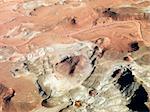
x=6 y=94
x=81 y=55
x=73 y=76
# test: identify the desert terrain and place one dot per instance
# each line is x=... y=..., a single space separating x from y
x=117 y=31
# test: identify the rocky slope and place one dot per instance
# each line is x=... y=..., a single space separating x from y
x=75 y=55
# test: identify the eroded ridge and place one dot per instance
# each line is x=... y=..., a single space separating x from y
x=78 y=77
x=57 y=66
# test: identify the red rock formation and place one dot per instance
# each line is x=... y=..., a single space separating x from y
x=6 y=94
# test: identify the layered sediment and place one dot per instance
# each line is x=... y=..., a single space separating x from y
x=75 y=55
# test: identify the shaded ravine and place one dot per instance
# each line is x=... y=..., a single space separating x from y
x=131 y=89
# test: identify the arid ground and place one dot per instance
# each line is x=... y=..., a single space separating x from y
x=27 y=25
